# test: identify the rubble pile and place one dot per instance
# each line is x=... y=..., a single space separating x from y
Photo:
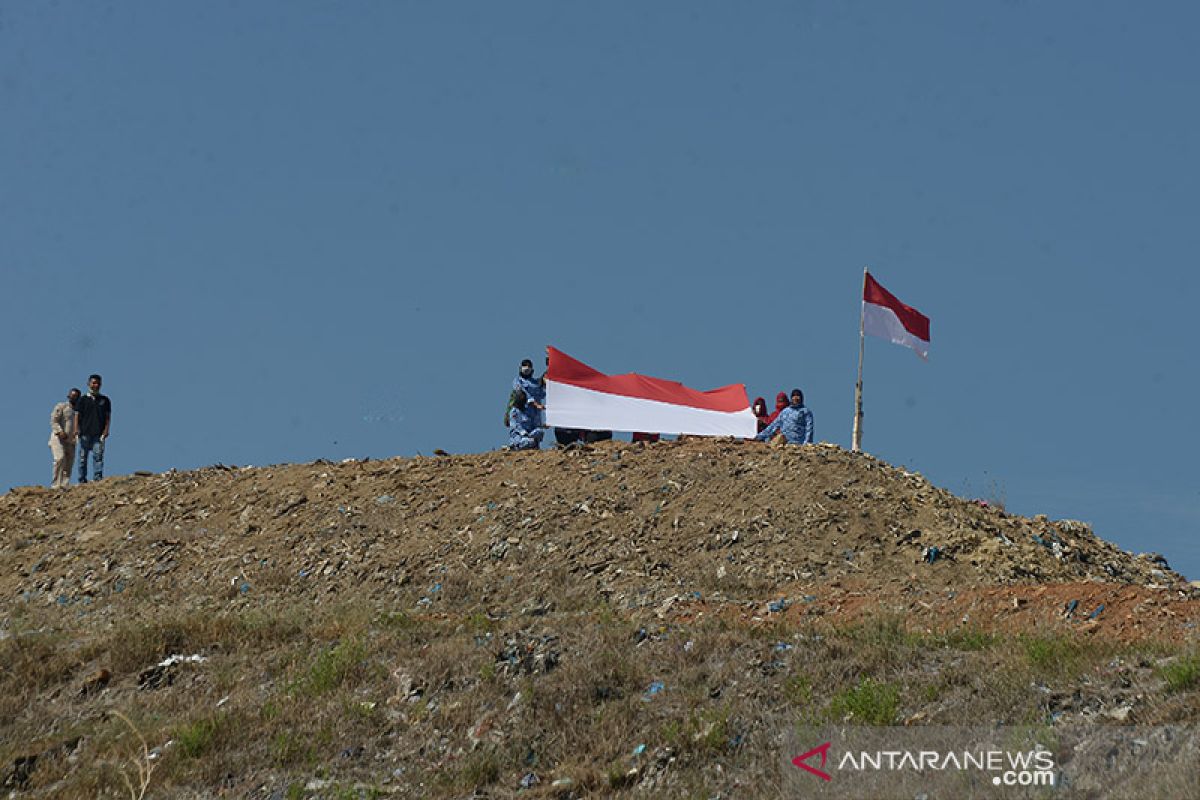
x=608 y=620
x=663 y=525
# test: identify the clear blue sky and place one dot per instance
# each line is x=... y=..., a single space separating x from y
x=295 y=230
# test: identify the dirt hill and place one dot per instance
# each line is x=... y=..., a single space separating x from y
x=698 y=522
x=113 y=577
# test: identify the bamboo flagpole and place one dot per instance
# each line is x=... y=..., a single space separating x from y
x=856 y=441
x=888 y=319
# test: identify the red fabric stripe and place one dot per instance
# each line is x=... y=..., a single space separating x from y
x=914 y=321
x=564 y=369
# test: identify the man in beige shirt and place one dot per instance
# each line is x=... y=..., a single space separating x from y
x=63 y=432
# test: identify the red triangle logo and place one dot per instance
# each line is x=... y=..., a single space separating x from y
x=823 y=750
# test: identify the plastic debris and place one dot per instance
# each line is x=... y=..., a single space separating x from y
x=1069 y=609
x=163 y=672
x=1096 y=613
x=529 y=780
x=655 y=688
x=637 y=751
x=931 y=554
x=775 y=606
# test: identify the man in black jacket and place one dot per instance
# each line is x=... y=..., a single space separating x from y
x=95 y=415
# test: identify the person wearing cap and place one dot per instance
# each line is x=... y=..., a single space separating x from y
x=63 y=433
x=795 y=422
x=524 y=433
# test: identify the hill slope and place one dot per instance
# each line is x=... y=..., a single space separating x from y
x=299 y=584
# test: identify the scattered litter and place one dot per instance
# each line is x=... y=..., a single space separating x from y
x=1097 y=612
x=775 y=606
x=931 y=554
x=529 y=780
x=655 y=688
x=384 y=499
x=1069 y=609
x=171 y=661
x=1120 y=714
x=783 y=647
x=163 y=673
x=637 y=751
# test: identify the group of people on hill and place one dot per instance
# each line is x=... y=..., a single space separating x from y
x=83 y=420
x=525 y=417
x=791 y=418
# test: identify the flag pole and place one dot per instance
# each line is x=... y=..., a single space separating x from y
x=856 y=444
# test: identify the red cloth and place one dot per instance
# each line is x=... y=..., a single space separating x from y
x=645 y=437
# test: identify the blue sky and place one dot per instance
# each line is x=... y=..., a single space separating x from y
x=295 y=230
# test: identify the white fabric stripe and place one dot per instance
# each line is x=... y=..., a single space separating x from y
x=881 y=321
x=570 y=406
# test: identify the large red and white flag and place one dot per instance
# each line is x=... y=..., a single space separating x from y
x=886 y=317
x=578 y=396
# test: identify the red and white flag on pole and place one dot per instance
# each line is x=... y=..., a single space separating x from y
x=886 y=317
x=578 y=396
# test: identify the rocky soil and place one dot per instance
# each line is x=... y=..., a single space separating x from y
x=513 y=558
x=669 y=526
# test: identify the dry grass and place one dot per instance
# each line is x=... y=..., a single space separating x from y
x=464 y=703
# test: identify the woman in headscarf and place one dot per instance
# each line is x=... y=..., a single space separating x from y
x=781 y=402
x=760 y=413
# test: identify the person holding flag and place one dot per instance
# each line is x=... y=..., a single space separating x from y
x=524 y=430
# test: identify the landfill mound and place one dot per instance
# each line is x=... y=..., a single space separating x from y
x=613 y=620
x=674 y=523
